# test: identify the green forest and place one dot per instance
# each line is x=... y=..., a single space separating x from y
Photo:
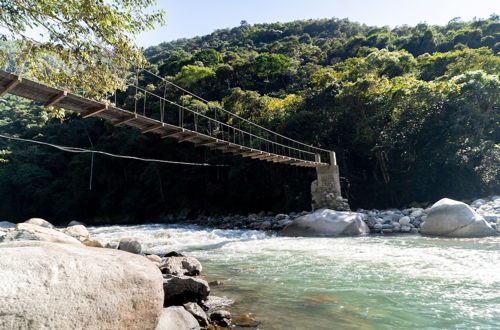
x=411 y=112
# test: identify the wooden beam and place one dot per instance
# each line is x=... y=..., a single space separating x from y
x=251 y=153
x=56 y=98
x=172 y=133
x=10 y=86
x=188 y=137
x=125 y=120
x=266 y=155
x=204 y=143
x=238 y=152
x=281 y=159
x=152 y=128
x=220 y=145
x=231 y=149
x=96 y=111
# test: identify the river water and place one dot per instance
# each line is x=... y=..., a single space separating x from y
x=376 y=282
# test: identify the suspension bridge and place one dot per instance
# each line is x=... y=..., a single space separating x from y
x=216 y=129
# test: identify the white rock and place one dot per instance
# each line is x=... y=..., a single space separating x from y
x=326 y=222
x=405 y=229
x=181 y=266
x=177 y=318
x=74 y=223
x=92 y=243
x=396 y=224
x=30 y=232
x=39 y=222
x=7 y=225
x=404 y=221
x=416 y=213
x=154 y=258
x=130 y=245
x=60 y=286
x=455 y=219
x=478 y=202
x=77 y=231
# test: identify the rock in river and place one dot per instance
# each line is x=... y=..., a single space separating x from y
x=7 y=225
x=326 y=222
x=130 y=245
x=177 y=318
x=30 y=232
x=183 y=289
x=40 y=222
x=452 y=218
x=61 y=286
x=181 y=266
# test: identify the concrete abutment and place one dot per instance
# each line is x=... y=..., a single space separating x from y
x=325 y=190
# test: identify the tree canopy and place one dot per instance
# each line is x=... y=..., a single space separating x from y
x=86 y=45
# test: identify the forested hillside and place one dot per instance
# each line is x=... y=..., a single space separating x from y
x=412 y=113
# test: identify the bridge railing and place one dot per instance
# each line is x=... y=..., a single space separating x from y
x=212 y=120
x=153 y=96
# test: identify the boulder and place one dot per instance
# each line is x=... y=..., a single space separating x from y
x=404 y=221
x=183 y=289
x=221 y=318
x=74 y=223
x=60 y=286
x=247 y=320
x=130 y=245
x=93 y=243
x=7 y=225
x=29 y=232
x=181 y=266
x=111 y=245
x=198 y=313
x=452 y=218
x=154 y=258
x=177 y=318
x=40 y=222
x=326 y=222
x=77 y=231
x=213 y=303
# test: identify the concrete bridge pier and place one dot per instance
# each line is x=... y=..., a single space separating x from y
x=325 y=190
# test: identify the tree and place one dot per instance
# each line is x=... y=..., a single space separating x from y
x=83 y=44
x=271 y=64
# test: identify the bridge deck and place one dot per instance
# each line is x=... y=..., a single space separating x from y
x=10 y=83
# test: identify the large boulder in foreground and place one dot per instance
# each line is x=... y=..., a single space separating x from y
x=326 y=222
x=452 y=218
x=61 y=286
x=29 y=232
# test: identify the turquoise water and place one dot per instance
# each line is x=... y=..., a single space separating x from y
x=377 y=282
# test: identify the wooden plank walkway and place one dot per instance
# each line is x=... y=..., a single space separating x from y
x=49 y=96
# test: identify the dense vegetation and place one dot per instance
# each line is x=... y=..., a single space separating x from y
x=412 y=113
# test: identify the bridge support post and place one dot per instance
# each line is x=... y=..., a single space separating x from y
x=325 y=190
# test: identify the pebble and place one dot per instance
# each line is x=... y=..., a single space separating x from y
x=407 y=220
x=404 y=221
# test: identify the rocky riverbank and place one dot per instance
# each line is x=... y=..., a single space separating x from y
x=391 y=221
x=111 y=285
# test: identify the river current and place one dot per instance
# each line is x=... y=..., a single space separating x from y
x=375 y=282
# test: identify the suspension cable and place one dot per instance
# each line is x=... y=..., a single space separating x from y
x=81 y=150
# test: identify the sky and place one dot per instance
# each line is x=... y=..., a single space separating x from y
x=190 y=18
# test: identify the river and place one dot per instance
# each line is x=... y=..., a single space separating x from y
x=375 y=282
